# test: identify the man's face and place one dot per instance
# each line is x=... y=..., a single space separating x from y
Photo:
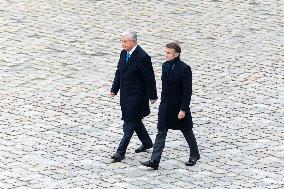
x=127 y=43
x=170 y=54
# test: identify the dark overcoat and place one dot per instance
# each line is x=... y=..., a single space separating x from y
x=136 y=82
x=176 y=96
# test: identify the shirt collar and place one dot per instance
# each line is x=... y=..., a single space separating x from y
x=130 y=52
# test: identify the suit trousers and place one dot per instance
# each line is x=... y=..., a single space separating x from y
x=128 y=129
x=160 y=144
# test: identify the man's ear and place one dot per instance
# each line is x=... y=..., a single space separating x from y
x=176 y=54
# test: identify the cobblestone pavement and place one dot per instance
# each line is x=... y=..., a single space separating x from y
x=58 y=127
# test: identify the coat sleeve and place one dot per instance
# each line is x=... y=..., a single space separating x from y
x=116 y=82
x=187 y=89
x=149 y=78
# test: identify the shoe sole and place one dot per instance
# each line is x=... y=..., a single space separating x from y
x=143 y=150
x=189 y=165
x=116 y=160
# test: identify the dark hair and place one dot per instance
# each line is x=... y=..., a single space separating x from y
x=174 y=46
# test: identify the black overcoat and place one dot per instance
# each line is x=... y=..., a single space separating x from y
x=136 y=82
x=176 y=96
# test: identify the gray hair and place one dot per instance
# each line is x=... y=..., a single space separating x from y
x=131 y=34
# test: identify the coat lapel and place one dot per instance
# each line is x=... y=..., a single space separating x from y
x=133 y=55
x=131 y=59
x=174 y=70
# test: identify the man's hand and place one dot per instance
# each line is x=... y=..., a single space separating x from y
x=181 y=114
x=111 y=94
x=153 y=101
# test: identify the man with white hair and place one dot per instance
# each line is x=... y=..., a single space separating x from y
x=135 y=79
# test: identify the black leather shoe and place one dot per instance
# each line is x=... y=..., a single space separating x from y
x=151 y=164
x=117 y=157
x=192 y=161
x=143 y=148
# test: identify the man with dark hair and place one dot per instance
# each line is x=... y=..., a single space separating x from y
x=175 y=47
x=135 y=79
x=174 y=112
